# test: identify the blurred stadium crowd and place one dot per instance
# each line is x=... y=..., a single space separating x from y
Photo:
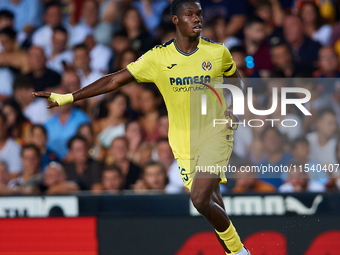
x=119 y=141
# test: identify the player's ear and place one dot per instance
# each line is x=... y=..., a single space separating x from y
x=174 y=19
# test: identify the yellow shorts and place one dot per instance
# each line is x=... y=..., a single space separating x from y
x=213 y=157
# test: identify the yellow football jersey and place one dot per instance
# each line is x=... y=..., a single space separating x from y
x=182 y=79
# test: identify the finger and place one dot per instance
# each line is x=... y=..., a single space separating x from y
x=51 y=105
x=42 y=94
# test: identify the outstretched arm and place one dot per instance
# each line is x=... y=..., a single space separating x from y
x=103 y=85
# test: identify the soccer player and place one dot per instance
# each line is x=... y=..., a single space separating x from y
x=184 y=70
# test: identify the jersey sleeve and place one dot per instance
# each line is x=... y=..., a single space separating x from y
x=228 y=64
x=144 y=69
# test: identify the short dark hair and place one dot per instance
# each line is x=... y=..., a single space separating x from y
x=126 y=141
x=30 y=146
x=74 y=138
x=176 y=4
x=121 y=33
x=10 y=32
x=238 y=49
x=60 y=29
x=296 y=141
x=263 y=3
x=113 y=168
x=323 y=111
x=254 y=20
x=162 y=139
x=80 y=46
x=276 y=130
x=52 y=4
x=39 y=126
x=6 y=14
x=22 y=81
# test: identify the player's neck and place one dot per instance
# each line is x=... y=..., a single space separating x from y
x=186 y=44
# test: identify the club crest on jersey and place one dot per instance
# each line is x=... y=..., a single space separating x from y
x=140 y=58
x=206 y=65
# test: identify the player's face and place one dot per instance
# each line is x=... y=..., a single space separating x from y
x=189 y=20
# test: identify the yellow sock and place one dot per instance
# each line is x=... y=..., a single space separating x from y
x=231 y=239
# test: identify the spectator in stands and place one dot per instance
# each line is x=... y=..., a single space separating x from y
x=89 y=22
x=118 y=153
x=9 y=149
x=305 y=50
x=133 y=25
x=163 y=125
x=290 y=116
x=329 y=68
x=27 y=13
x=4 y=178
x=281 y=56
x=55 y=181
x=322 y=142
x=11 y=56
x=153 y=177
x=82 y=168
x=30 y=175
x=119 y=43
x=42 y=77
x=149 y=107
x=166 y=157
x=34 y=109
x=276 y=157
x=256 y=46
x=165 y=24
x=298 y=181
x=219 y=26
x=272 y=14
x=300 y=150
x=70 y=82
x=124 y=58
x=42 y=37
x=18 y=125
x=113 y=125
x=151 y=12
x=100 y=55
x=313 y=24
x=246 y=181
x=234 y=13
x=86 y=130
x=134 y=136
x=317 y=101
x=59 y=56
x=133 y=90
x=6 y=20
x=39 y=139
x=81 y=62
x=239 y=56
x=112 y=179
x=64 y=124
